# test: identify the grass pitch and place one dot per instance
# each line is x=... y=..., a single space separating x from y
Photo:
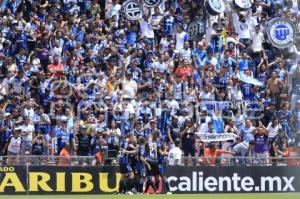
x=160 y=196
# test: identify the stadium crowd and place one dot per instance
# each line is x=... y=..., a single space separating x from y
x=79 y=77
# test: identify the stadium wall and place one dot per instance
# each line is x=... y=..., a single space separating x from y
x=183 y=179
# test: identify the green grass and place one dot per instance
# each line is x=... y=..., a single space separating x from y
x=178 y=196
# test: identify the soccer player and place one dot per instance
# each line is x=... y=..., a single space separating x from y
x=162 y=162
x=151 y=162
x=140 y=165
x=127 y=178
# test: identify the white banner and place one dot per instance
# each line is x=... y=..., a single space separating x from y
x=215 y=137
x=248 y=79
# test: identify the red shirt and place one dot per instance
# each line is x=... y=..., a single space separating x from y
x=53 y=67
x=184 y=71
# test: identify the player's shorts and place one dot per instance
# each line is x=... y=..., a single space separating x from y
x=162 y=169
x=125 y=169
x=154 y=169
x=140 y=170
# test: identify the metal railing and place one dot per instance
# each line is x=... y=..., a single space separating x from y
x=241 y=161
x=188 y=161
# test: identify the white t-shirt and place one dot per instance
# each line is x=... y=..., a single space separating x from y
x=174 y=154
x=159 y=67
x=257 y=40
x=14 y=145
x=244 y=29
x=147 y=29
x=129 y=88
x=180 y=38
x=155 y=21
x=113 y=10
x=273 y=131
x=30 y=114
x=185 y=54
x=28 y=129
x=206 y=96
x=173 y=106
x=164 y=45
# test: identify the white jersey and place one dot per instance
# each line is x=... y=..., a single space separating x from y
x=180 y=39
x=14 y=145
x=28 y=132
x=174 y=154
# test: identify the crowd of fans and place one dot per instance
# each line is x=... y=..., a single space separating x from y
x=79 y=76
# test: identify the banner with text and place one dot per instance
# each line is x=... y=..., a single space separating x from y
x=195 y=179
x=248 y=79
x=182 y=179
x=215 y=137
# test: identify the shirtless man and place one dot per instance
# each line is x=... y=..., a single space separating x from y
x=275 y=85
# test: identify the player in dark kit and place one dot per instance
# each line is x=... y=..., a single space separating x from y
x=127 y=151
x=162 y=161
x=140 y=164
x=151 y=163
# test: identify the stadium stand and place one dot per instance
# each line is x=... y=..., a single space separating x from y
x=143 y=83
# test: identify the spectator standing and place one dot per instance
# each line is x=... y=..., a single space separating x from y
x=175 y=154
x=261 y=149
x=247 y=132
x=278 y=146
x=27 y=136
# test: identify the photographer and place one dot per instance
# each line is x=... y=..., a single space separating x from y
x=188 y=139
x=42 y=124
x=84 y=141
x=38 y=145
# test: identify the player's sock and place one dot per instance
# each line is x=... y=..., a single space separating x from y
x=130 y=184
x=157 y=184
x=149 y=182
x=141 y=185
x=167 y=187
x=147 y=186
x=136 y=185
x=152 y=183
x=122 y=186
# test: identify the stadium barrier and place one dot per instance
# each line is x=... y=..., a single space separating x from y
x=47 y=179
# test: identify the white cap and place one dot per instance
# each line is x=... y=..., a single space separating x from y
x=107 y=97
x=18 y=128
x=243 y=13
x=7 y=114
